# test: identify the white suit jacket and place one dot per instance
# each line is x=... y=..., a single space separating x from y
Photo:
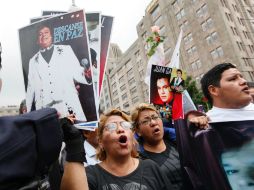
x=52 y=84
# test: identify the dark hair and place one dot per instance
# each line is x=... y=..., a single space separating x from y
x=44 y=26
x=213 y=77
x=179 y=70
x=161 y=76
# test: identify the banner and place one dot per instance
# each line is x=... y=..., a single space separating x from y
x=52 y=51
x=220 y=157
x=106 y=29
x=93 y=21
x=166 y=87
x=175 y=59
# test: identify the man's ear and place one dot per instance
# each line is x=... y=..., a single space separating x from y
x=213 y=90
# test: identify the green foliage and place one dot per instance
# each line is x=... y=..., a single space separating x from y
x=196 y=94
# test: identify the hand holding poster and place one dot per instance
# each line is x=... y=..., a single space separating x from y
x=51 y=52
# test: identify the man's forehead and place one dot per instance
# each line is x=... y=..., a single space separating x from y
x=231 y=72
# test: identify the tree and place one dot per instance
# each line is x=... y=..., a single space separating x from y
x=196 y=95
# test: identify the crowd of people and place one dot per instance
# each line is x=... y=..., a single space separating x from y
x=154 y=159
x=133 y=151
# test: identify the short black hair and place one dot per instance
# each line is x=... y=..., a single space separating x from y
x=213 y=77
x=45 y=25
x=162 y=77
x=179 y=70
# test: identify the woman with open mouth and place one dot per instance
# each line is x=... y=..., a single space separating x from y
x=120 y=168
x=149 y=128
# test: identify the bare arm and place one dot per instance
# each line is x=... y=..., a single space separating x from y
x=74 y=177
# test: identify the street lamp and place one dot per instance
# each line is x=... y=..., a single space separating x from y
x=73 y=7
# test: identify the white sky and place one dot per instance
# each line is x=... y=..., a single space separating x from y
x=15 y=14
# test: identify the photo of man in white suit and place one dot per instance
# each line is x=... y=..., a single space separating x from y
x=53 y=72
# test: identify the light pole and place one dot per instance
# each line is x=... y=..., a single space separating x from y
x=73 y=3
x=73 y=7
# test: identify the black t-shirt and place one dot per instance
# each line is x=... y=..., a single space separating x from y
x=147 y=176
x=169 y=163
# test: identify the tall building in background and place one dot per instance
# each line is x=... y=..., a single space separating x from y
x=214 y=31
x=123 y=85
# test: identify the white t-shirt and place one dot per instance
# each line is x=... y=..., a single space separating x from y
x=223 y=115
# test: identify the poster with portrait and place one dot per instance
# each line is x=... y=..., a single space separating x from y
x=222 y=156
x=166 y=87
x=93 y=21
x=55 y=73
x=106 y=29
x=177 y=80
x=160 y=93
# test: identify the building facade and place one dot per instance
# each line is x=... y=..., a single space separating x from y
x=123 y=85
x=214 y=31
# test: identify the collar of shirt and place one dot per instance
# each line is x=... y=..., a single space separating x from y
x=47 y=48
x=223 y=115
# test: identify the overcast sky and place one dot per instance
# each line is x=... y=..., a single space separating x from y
x=15 y=14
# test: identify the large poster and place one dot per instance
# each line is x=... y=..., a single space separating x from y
x=166 y=87
x=106 y=28
x=57 y=67
x=93 y=21
x=220 y=157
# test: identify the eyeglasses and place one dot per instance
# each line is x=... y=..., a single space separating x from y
x=148 y=120
x=111 y=127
